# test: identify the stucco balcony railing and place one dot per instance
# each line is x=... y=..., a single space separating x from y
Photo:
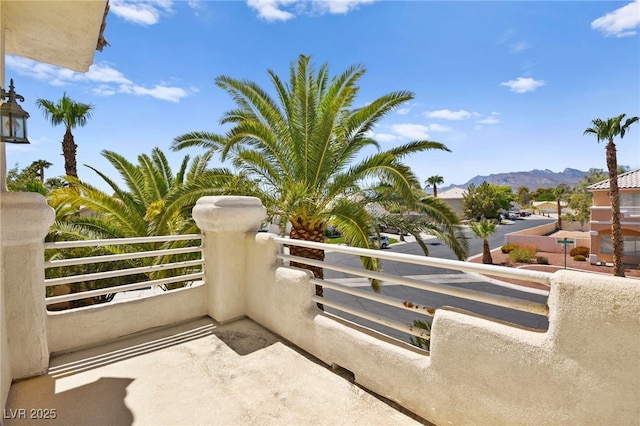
x=583 y=369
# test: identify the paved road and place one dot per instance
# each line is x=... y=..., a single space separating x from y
x=435 y=275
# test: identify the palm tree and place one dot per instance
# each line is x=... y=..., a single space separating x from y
x=154 y=202
x=72 y=114
x=484 y=229
x=302 y=147
x=40 y=165
x=607 y=131
x=562 y=193
x=434 y=181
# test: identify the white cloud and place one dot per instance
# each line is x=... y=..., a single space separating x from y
x=165 y=93
x=107 y=80
x=270 y=10
x=403 y=111
x=520 y=46
x=385 y=137
x=411 y=131
x=439 y=128
x=621 y=22
x=523 y=84
x=141 y=12
x=446 y=114
x=339 y=6
x=489 y=120
x=283 y=10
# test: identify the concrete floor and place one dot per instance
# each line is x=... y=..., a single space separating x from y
x=199 y=373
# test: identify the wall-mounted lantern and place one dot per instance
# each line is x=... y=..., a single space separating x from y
x=13 y=119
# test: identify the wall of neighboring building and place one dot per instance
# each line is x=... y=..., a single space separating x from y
x=601 y=226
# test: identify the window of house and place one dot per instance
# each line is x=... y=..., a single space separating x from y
x=631 y=245
x=630 y=199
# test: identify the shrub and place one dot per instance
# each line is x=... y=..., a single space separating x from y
x=579 y=258
x=508 y=247
x=582 y=251
x=542 y=260
x=522 y=254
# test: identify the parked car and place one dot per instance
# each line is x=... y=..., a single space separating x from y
x=384 y=241
x=524 y=213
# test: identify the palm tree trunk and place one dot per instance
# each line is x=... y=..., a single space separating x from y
x=69 y=151
x=435 y=191
x=614 y=195
x=559 y=214
x=299 y=232
x=486 y=253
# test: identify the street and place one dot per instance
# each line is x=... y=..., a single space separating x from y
x=435 y=275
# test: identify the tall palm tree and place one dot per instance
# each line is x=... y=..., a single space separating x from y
x=434 y=181
x=484 y=229
x=306 y=148
x=607 y=131
x=562 y=193
x=40 y=165
x=72 y=114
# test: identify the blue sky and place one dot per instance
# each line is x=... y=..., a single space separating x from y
x=506 y=85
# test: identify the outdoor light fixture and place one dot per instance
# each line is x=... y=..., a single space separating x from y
x=13 y=118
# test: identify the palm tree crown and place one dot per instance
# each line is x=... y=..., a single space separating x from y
x=311 y=151
x=607 y=131
x=72 y=114
x=484 y=229
x=434 y=181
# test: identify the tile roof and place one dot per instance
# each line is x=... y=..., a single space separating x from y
x=628 y=180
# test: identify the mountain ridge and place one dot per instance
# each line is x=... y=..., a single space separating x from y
x=532 y=179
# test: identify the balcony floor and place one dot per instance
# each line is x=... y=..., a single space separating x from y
x=195 y=373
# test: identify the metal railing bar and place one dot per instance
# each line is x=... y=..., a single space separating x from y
x=121 y=272
x=535 y=276
x=396 y=325
x=478 y=296
x=118 y=289
x=376 y=297
x=116 y=257
x=120 y=241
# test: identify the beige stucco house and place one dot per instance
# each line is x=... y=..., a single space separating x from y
x=601 y=248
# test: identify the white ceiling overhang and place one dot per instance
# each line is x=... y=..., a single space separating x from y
x=64 y=33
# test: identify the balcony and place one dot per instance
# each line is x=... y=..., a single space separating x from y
x=245 y=343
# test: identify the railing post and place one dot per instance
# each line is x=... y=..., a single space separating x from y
x=25 y=219
x=225 y=222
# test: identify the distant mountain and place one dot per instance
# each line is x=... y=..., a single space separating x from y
x=533 y=179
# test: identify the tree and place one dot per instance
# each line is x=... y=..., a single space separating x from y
x=607 y=131
x=523 y=196
x=484 y=229
x=72 y=114
x=30 y=179
x=41 y=165
x=155 y=202
x=434 y=181
x=581 y=199
x=562 y=192
x=302 y=146
x=486 y=200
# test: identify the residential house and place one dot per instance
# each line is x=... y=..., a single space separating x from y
x=453 y=198
x=601 y=247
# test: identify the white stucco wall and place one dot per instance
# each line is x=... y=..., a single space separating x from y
x=584 y=370
x=5 y=366
x=100 y=323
